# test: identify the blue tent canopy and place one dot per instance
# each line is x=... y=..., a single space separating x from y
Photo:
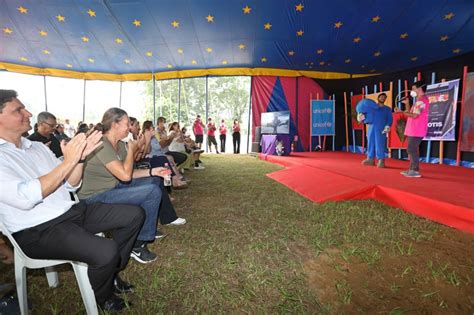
x=130 y=39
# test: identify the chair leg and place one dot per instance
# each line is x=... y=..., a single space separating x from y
x=52 y=276
x=21 y=285
x=86 y=289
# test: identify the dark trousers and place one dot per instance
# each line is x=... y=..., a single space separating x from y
x=236 y=141
x=71 y=236
x=413 y=151
x=179 y=158
x=222 y=138
x=166 y=213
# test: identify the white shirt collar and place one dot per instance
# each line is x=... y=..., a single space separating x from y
x=25 y=143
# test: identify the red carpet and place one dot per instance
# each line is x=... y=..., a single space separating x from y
x=444 y=194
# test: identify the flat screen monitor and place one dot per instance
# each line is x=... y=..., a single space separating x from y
x=276 y=122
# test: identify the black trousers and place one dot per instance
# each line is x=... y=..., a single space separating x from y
x=413 y=150
x=236 y=141
x=222 y=138
x=179 y=158
x=71 y=236
x=166 y=213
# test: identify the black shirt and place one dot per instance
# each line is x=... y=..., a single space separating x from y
x=55 y=146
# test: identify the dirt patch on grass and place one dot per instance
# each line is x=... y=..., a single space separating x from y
x=427 y=277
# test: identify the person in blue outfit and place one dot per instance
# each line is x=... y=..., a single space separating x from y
x=378 y=127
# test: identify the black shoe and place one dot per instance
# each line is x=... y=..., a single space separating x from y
x=121 y=286
x=159 y=234
x=113 y=304
x=143 y=255
x=9 y=304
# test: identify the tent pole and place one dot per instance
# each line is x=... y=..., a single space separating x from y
x=154 y=97
x=250 y=111
x=120 y=96
x=45 y=97
x=207 y=107
x=463 y=95
x=179 y=100
x=84 y=102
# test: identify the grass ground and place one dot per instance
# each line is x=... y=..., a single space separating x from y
x=253 y=246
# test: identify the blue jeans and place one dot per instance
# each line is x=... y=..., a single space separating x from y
x=143 y=192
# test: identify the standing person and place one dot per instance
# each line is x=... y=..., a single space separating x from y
x=223 y=135
x=35 y=205
x=417 y=126
x=377 y=133
x=211 y=135
x=198 y=130
x=44 y=133
x=236 y=136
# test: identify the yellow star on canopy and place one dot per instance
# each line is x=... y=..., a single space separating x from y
x=46 y=52
x=210 y=18
x=91 y=60
x=456 y=51
x=119 y=40
x=60 y=18
x=241 y=46
x=404 y=35
x=263 y=59
x=180 y=50
x=149 y=54
x=209 y=49
x=43 y=33
x=85 y=39
x=375 y=19
x=444 y=38
x=169 y=66
x=449 y=16
x=322 y=63
x=24 y=59
x=91 y=13
x=224 y=62
x=357 y=39
x=267 y=26
x=348 y=60
x=319 y=51
x=247 y=9
x=338 y=24
x=69 y=65
x=291 y=53
x=175 y=24
x=415 y=58
x=300 y=33
x=193 y=62
x=377 y=53
x=299 y=7
x=22 y=10
x=137 y=23
x=127 y=61
x=7 y=30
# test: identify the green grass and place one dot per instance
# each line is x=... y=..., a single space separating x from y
x=253 y=246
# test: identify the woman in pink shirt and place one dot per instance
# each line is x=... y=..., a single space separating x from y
x=198 y=130
x=211 y=135
x=417 y=126
x=223 y=135
x=236 y=136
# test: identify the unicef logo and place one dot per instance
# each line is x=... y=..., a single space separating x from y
x=329 y=110
x=329 y=124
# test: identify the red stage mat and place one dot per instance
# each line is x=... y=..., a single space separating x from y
x=444 y=194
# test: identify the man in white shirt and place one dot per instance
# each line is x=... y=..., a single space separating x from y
x=36 y=207
x=69 y=129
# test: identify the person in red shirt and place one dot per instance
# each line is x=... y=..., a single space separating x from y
x=211 y=135
x=236 y=136
x=198 y=130
x=223 y=135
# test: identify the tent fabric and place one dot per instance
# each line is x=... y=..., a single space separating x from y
x=133 y=39
x=272 y=94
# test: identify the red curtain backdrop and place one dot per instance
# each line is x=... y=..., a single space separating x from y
x=284 y=93
x=396 y=133
x=354 y=100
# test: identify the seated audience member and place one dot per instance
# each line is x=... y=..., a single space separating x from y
x=36 y=207
x=165 y=140
x=59 y=133
x=110 y=177
x=179 y=144
x=44 y=133
x=82 y=128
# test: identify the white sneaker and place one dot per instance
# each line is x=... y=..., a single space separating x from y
x=178 y=221
x=200 y=167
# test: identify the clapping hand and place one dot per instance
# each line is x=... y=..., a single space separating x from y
x=73 y=150
x=94 y=140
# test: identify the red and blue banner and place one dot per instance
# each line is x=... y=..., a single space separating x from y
x=272 y=94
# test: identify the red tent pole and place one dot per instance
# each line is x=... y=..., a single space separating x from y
x=464 y=82
x=346 y=122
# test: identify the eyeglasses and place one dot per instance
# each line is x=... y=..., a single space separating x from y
x=50 y=125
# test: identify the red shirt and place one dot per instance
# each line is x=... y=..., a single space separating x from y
x=222 y=129
x=211 y=129
x=197 y=127
x=236 y=128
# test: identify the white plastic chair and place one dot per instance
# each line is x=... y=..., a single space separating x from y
x=22 y=262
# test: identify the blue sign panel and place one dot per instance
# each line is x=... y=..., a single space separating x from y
x=322 y=118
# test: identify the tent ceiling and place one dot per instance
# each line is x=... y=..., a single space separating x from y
x=135 y=37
